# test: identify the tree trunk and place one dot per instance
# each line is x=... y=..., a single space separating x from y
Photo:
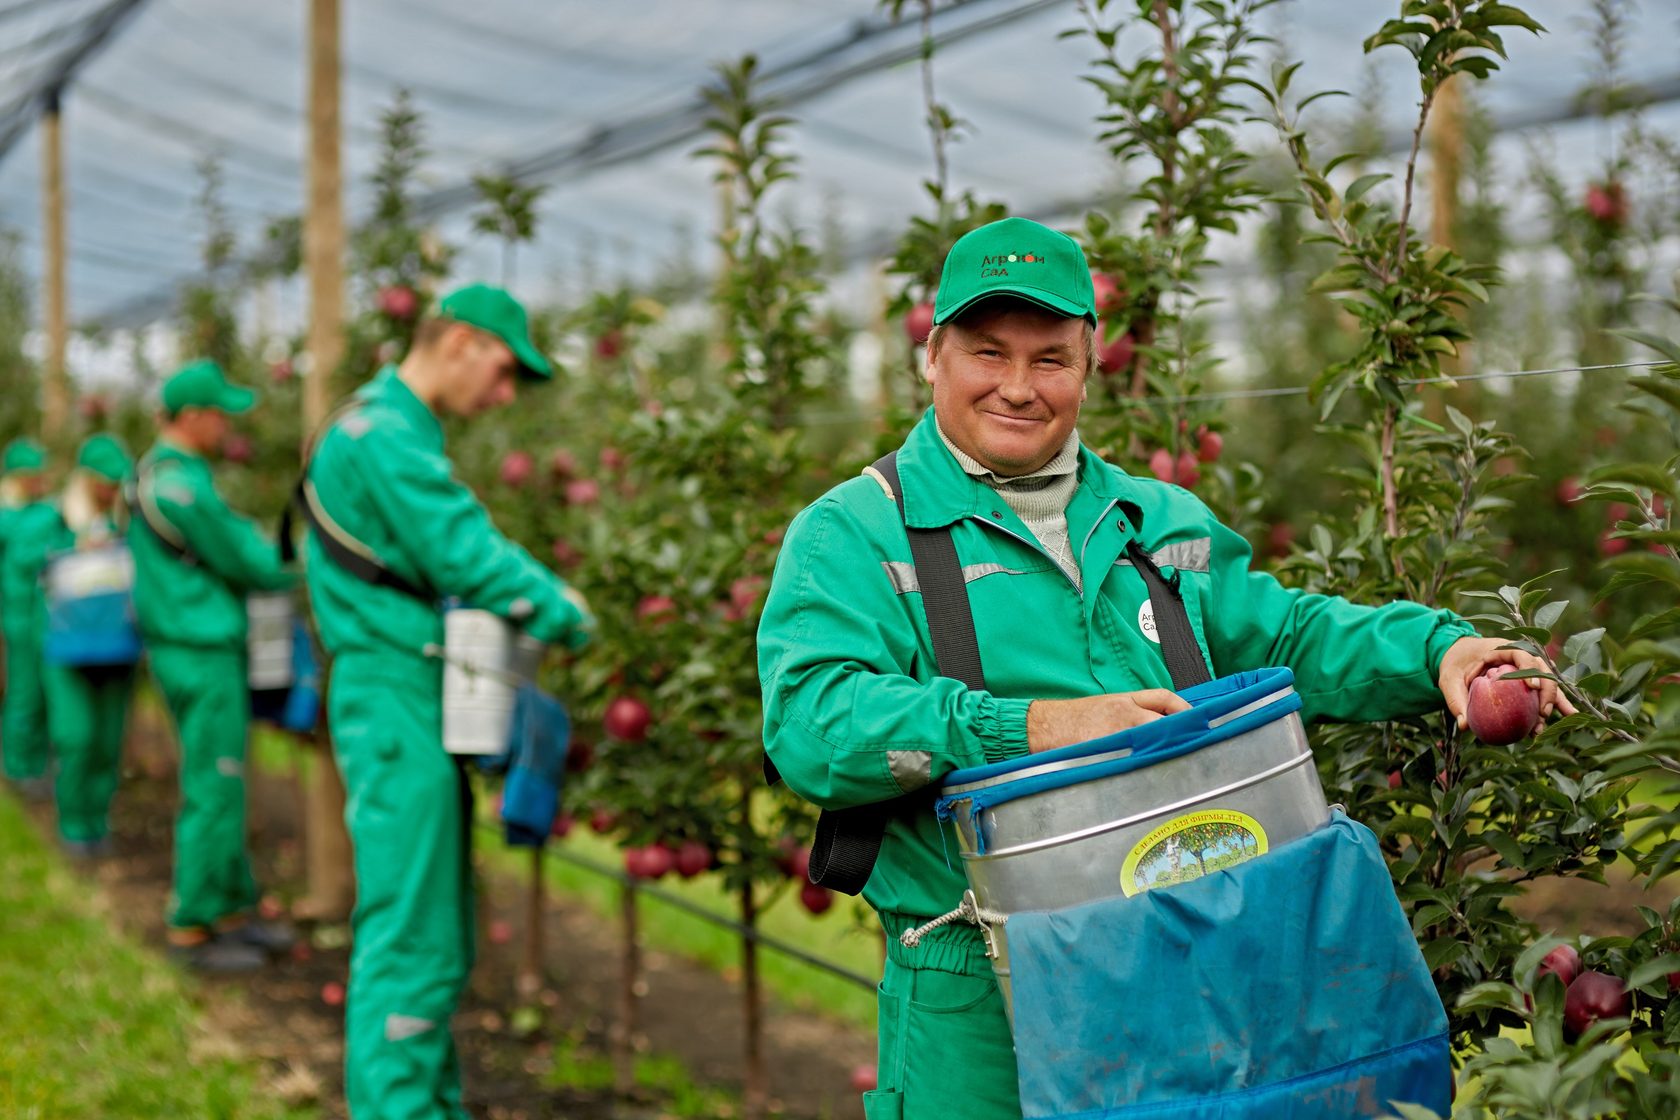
x=55 y=388
x=530 y=979
x=623 y=1034
x=755 y=1079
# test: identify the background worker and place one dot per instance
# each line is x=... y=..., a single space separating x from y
x=855 y=714
x=87 y=705
x=382 y=477
x=23 y=728
x=195 y=560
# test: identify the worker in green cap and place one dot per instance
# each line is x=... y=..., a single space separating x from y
x=23 y=729
x=87 y=703
x=393 y=531
x=1054 y=553
x=195 y=559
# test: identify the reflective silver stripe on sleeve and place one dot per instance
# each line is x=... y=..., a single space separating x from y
x=910 y=769
x=1187 y=556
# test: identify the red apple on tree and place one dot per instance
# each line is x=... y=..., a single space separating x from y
x=92 y=408
x=563 y=825
x=565 y=555
x=1501 y=711
x=1110 y=296
x=657 y=861
x=281 y=372
x=1394 y=779
x=398 y=301
x=609 y=344
x=816 y=899
x=580 y=755
x=1593 y=996
x=236 y=448
x=627 y=718
x=1568 y=490
x=1564 y=962
x=692 y=858
x=612 y=459
x=1611 y=545
x=918 y=323
x=656 y=609
x=562 y=463
x=516 y=468
x=1115 y=355
x=1187 y=472
x=1209 y=445
x=1162 y=465
x=583 y=492
x=1607 y=202
x=602 y=819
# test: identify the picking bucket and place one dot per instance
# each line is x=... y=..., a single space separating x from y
x=270 y=619
x=1143 y=809
x=486 y=660
x=90 y=608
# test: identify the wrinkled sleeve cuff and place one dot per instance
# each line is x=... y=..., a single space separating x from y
x=1449 y=630
x=1002 y=728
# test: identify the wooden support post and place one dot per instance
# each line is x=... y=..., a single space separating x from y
x=327 y=845
x=622 y=1035
x=755 y=1081
x=532 y=972
x=55 y=388
x=1446 y=163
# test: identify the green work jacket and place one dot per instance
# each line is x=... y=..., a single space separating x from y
x=380 y=472
x=853 y=709
x=199 y=602
x=33 y=533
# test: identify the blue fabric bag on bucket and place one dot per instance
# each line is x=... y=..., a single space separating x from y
x=539 y=735
x=1288 y=987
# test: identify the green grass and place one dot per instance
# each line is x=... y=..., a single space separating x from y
x=90 y=1024
x=848 y=934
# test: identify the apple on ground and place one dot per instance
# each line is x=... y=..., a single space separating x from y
x=501 y=932
x=332 y=993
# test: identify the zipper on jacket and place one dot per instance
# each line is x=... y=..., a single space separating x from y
x=1038 y=548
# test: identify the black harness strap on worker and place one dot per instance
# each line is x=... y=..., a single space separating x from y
x=350 y=554
x=848 y=841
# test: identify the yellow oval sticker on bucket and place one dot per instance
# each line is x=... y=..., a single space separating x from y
x=1189 y=847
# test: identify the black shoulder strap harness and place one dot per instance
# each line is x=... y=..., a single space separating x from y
x=344 y=550
x=848 y=841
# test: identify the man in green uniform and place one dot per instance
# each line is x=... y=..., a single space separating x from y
x=384 y=488
x=87 y=705
x=23 y=731
x=195 y=560
x=854 y=713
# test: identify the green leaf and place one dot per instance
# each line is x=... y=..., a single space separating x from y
x=1358 y=188
x=1652 y=971
x=1667 y=347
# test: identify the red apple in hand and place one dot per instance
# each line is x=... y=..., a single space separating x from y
x=1501 y=711
x=628 y=719
x=1593 y=996
x=693 y=857
x=816 y=899
x=918 y=323
x=516 y=468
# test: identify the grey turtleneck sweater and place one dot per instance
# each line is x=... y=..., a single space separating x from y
x=1039 y=499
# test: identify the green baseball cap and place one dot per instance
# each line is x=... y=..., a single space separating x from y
x=1016 y=257
x=494 y=311
x=105 y=456
x=25 y=455
x=203 y=384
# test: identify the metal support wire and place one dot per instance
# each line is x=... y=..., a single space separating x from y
x=746 y=933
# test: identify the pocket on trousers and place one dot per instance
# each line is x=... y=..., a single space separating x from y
x=883 y=1104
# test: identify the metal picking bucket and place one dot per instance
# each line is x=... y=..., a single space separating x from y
x=269 y=617
x=486 y=660
x=1143 y=809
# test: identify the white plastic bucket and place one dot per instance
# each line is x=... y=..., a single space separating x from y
x=269 y=616
x=486 y=659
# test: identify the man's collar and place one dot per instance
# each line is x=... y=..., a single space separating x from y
x=1064 y=462
x=388 y=386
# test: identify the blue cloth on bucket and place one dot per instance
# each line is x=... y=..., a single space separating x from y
x=297 y=707
x=1288 y=987
x=538 y=736
x=1219 y=710
x=96 y=629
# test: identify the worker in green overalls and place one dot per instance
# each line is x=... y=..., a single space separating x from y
x=405 y=534
x=87 y=705
x=195 y=560
x=23 y=731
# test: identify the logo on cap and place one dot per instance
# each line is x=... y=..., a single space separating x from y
x=998 y=265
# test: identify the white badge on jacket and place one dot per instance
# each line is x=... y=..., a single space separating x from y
x=1146 y=622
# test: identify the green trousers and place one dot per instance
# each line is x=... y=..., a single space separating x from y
x=945 y=1048
x=408 y=808
x=87 y=710
x=207 y=697
x=23 y=728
